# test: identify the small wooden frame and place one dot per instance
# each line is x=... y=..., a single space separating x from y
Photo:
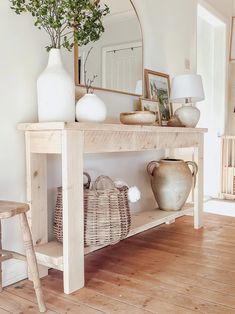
x=158 y=89
x=151 y=105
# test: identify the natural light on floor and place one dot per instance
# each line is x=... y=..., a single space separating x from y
x=220 y=207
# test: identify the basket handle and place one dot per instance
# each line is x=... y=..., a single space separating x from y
x=103 y=178
x=87 y=185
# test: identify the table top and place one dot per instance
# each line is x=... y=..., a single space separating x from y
x=118 y=127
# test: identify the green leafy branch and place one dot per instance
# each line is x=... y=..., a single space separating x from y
x=67 y=22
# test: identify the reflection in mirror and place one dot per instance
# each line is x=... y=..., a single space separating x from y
x=116 y=58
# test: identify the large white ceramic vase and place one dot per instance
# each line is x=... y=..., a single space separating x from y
x=55 y=91
x=90 y=108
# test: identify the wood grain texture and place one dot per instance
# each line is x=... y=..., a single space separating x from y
x=36 y=176
x=107 y=138
x=85 y=126
x=168 y=269
x=73 y=212
x=14 y=255
x=45 y=142
x=51 y=254
x=10 y=209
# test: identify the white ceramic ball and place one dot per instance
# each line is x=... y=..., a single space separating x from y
x=90 y=108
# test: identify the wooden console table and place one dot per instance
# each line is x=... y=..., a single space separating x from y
x=72 y=140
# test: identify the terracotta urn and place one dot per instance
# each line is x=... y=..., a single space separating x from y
x=172 y=181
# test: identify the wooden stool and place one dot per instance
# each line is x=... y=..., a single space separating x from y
x=8 y=210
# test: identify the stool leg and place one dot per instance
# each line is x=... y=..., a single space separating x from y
x=32 y=262
x=0 y=256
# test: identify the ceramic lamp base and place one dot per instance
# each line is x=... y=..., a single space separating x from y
x=188 y=115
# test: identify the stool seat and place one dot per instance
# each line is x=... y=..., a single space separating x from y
x=10 y=209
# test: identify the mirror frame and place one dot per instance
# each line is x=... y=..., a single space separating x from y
x=76 y=54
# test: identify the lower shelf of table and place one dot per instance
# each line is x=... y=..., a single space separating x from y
x=51 y=253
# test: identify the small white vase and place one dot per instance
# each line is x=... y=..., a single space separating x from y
x=90 y=108
x=188 y=115
x=55 y=91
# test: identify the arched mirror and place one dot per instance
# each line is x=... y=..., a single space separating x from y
x=116 y=59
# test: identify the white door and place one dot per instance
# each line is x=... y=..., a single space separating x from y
x=121 y=67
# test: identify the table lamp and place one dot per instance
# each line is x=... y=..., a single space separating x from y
x=187 y=89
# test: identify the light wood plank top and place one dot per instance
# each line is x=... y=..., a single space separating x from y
x=80 y=126
x=10 y=209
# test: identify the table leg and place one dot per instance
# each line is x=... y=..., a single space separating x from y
x=36 y=168
x=198 y=195
x=73 y=221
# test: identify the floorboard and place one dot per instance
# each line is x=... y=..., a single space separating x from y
x=168 y=269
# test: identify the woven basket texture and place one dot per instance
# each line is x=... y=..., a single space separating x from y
x=107 y=218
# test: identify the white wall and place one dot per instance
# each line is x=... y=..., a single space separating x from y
x=211 y=65
x=224 y=7
x=231 y=129
x=224 y=10
x=22 y=58
x=169 y=37
x=170 y=34
x=232 y=100
x=117 y=6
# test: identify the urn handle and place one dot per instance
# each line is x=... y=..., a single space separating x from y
x=151 y=166
x=195 y=170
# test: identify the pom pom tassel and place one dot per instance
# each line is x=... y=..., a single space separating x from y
x=134 y=194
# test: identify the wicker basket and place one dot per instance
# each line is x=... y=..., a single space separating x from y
x=107 y=218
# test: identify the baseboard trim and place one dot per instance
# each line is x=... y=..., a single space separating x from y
x=14 y=271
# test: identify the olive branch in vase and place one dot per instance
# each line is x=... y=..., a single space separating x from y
x=88 y=81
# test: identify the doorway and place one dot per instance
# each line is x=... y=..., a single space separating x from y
x=120 y=66
x=211 y=64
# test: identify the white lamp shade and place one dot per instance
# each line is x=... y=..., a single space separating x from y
x=188 y=86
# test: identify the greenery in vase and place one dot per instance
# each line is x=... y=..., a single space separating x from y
x=67 y=22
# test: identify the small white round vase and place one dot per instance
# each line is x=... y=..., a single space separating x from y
x=188 y=115
x=90 y=108
x=55 y=91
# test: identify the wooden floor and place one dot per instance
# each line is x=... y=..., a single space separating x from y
x=169 y=269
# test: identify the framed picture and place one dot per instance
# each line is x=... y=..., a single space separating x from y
x=158 y=88
x=151 y=105
x=232 y=40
